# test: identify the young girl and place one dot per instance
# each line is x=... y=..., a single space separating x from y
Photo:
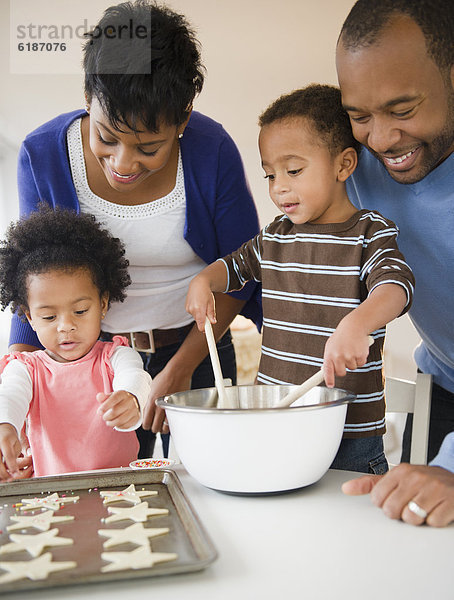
x=82 y=398
x=330 y=274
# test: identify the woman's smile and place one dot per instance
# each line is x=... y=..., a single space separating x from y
x=129 y=178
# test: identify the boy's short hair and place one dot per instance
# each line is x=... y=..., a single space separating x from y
x=322 y=106
x=142 y=62
x=367 y=19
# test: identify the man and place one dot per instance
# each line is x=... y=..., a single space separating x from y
x=395 y=63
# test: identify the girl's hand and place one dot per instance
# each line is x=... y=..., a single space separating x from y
x=25 y=460
x=345 y=349
x=200 y=302
x=26 y=469
x=119 y=409
x=10 y=449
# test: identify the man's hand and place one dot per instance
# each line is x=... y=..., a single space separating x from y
x=431 y=488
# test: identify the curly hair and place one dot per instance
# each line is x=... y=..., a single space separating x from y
x=367 y=19
x=142 y=63
x=322 y=106
x=57 y=239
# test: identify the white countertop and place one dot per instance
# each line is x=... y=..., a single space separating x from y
x=314 y=543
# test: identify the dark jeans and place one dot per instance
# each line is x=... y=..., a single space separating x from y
x=202 y=377
x=441 y=423
x=365 y=455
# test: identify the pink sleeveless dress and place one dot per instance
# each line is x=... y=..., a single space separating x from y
x=65 y=432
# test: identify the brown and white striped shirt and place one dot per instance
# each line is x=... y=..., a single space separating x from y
x=312 y=276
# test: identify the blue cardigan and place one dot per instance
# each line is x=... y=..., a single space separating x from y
x=220 y=212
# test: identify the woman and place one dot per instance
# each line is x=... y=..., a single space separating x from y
x=166 y=180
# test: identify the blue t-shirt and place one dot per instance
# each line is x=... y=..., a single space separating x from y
x=424 y=213
x=445 y=456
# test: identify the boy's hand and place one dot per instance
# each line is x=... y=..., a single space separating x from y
x=348 y=347
x=200 y=302
x=119 y=409
x=345 y=349
x=10 y=449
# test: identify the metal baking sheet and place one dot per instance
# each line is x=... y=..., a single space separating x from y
x=187 y=537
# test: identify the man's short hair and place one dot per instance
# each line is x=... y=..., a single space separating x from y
x=435 y=18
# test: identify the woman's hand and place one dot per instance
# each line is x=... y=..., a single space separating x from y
x=10 y=450
x=168 y=381
x=119 y=409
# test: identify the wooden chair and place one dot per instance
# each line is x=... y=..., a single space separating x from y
x=412 y=397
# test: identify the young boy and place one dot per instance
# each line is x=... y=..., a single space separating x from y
x=331 y=274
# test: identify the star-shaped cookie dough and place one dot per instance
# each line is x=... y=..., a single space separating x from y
x=140 y=558
x=129 y=494
x=51 y=502
x=41 y=521
x=34 y=544
x=37 y=568
x=138 y=513
x=135 y=534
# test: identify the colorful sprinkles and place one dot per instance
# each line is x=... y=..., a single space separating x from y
x=151 y=463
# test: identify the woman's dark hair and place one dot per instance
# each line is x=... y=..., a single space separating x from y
x=142 y=62
x=322 y=106
x=59 y=239
x=367 y=19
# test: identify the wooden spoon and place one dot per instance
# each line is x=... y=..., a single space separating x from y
x=307 y=385
x=219 y=380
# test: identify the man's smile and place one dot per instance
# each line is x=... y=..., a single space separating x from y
x=400 y=162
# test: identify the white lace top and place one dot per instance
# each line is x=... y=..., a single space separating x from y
x=161 y=262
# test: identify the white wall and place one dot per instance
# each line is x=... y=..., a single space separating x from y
x=254 y=50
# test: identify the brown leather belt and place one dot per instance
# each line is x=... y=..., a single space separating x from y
x=150 y=341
